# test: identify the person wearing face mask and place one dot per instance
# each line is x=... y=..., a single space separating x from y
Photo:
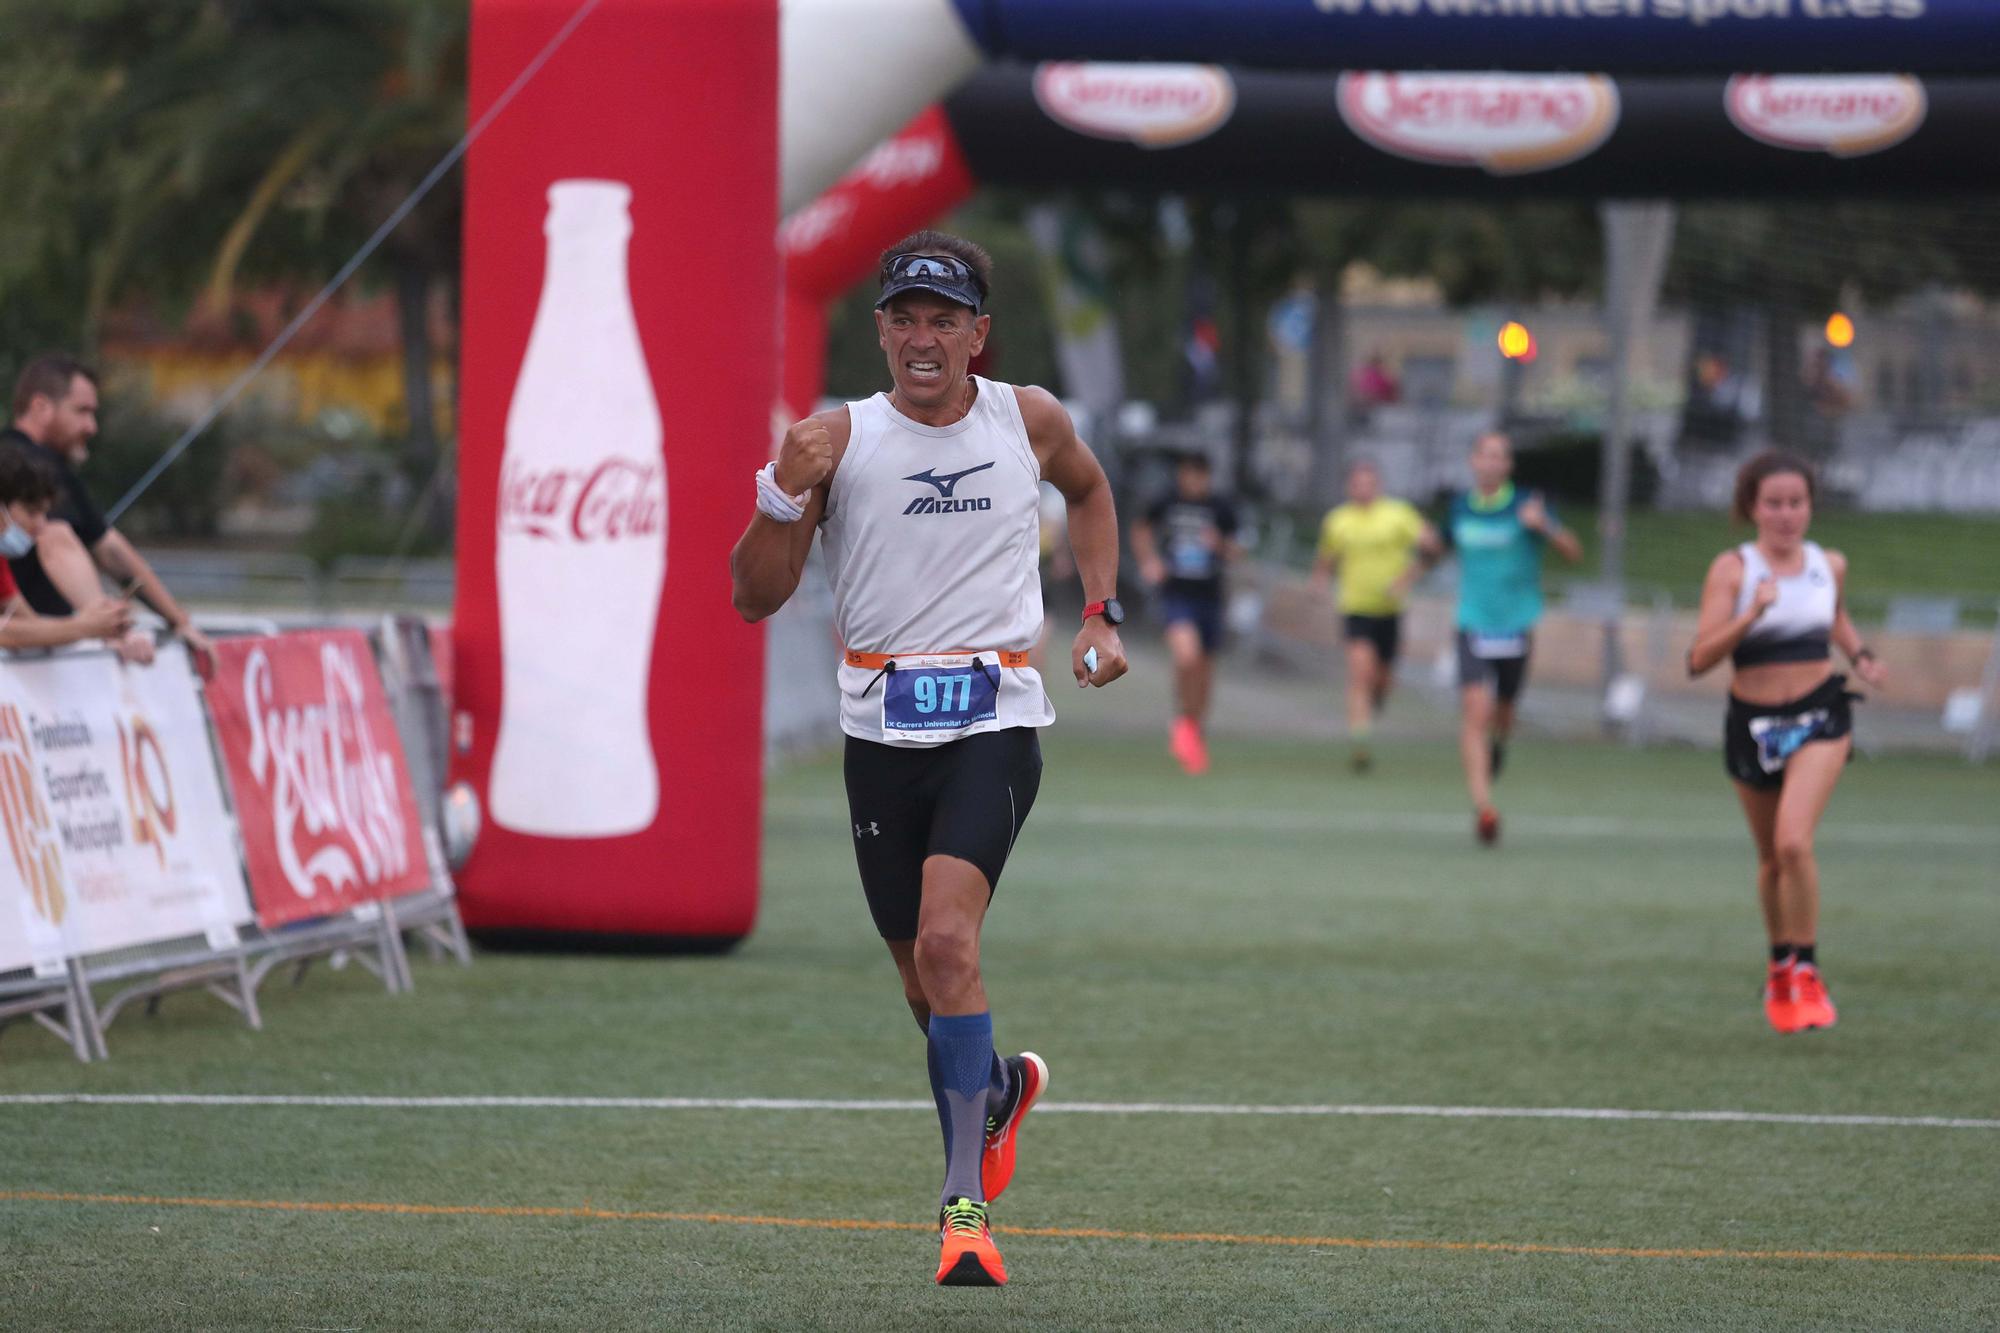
x=28 y=486
x=1774 y=608
x=55 y=418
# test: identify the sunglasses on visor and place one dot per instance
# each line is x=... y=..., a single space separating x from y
x=939 y=273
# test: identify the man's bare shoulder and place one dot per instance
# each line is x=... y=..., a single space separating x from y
x=1043 y=414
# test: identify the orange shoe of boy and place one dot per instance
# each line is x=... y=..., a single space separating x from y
x=1186 y=745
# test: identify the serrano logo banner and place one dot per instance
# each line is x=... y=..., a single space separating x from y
x=317 y=769
x=1154 y=106
x=1505 y=124
x=1845 y=115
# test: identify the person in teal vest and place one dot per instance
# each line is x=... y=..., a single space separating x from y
x=1499 y=534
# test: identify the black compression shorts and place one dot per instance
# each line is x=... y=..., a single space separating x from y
x=966 y=798
x=1385 y=632
x=1498 y=662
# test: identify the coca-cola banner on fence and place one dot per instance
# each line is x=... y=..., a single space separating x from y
x=322 y=791
x=619 y=371
x=113 y=820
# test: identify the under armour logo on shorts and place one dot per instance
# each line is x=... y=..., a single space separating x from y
x=871 y=828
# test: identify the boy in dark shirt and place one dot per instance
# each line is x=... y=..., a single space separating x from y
x=1183 y=544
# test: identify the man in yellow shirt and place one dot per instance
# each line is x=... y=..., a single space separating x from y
x=1372 y=539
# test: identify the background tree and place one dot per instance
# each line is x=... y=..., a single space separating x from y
x=167 y=153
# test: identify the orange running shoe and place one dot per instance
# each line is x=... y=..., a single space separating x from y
x=1487 y=827
x=1813 y=1006
x=1185 y=744
x=969 y=1258
x=1027 y=1080
x=1781 y=1003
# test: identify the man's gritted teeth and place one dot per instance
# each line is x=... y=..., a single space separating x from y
x=925 y=372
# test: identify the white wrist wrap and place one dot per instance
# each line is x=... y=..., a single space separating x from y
x=772 y=502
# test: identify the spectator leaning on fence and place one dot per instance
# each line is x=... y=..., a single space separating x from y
x=28 y=486
x=55 y=417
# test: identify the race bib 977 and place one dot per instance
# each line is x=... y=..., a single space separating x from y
x=916 y=700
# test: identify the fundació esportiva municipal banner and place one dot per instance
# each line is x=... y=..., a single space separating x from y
x=112 y=813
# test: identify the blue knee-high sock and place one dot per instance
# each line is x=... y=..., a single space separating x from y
x=996 y=1085
x=961 y=1064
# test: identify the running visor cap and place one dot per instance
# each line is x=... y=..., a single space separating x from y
x=945 y=275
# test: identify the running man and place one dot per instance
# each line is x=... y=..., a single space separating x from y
x=1372 y=540
x=1774 y=607
x=1499 y=535
x=927 y=501
x=1182 y=546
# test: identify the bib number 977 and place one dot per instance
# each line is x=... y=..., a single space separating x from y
x=938 y=699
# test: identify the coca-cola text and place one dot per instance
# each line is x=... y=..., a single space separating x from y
x=336 y=809
x=617 y=499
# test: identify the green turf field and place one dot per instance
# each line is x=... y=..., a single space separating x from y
x=1280 y=933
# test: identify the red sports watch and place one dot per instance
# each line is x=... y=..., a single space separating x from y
x=1110 y=608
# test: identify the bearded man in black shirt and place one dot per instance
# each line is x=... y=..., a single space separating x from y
x=55 y=418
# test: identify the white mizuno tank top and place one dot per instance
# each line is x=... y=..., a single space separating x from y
x=932 y=537
x=1798 y=627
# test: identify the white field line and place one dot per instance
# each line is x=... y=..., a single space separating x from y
x=1046 y=1108
x=1433 y=822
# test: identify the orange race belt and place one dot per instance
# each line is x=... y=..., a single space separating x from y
x=881 y=661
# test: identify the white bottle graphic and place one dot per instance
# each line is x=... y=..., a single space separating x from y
x=581 y=554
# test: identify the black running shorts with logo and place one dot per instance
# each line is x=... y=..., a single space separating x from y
x=1758 y=740
x=1385 y=632
x=1504 y=674
x=965 y=798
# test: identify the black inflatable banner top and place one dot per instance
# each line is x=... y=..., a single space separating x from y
x=1616 y=36
x=1193 y=127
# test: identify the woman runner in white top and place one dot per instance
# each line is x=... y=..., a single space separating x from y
x=927 y=499
x=1774 y=607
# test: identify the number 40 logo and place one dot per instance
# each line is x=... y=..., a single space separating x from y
x=149 y=786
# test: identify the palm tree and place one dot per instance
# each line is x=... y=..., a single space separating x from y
x=172 y=150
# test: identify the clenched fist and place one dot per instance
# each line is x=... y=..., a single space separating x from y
x=1534 y=514
x=805 y=459
x=1761 y=596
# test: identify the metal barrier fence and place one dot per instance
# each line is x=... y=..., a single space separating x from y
x=1944 y=653
x=231 y=961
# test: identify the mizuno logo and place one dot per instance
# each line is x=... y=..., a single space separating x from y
x=924 y=504
x=945 y=483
